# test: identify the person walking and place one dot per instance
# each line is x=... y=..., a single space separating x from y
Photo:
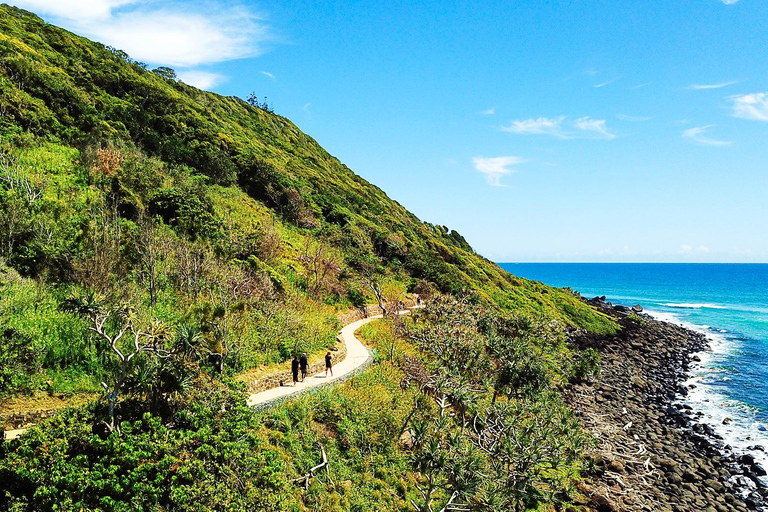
x=328 y=366
x=304 y=364
x=295 y=370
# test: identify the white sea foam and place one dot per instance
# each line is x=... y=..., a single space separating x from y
x=685 y=305
x=743 y=431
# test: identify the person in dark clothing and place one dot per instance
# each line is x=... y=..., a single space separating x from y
x=304 y=364
x=328 y=366
x=295 y=370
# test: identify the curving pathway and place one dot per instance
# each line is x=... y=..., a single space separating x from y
x=357 y=356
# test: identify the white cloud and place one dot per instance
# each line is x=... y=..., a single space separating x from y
x=182 y=33
x=698 y=87
x=687 y=249
x=268 y=74
x=582 y=128
x=603 y=84
x=540 y=125
x=751 y=106
x=596 y=126
x=496 y=167
x=696 y=134
x=200 y=79
x=729 y=2
x=489 y=112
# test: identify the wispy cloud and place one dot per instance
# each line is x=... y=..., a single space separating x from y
x=729 y=2
x=697 y=135
x=539 y=126
x=699 y=87
x=495 y=168
x=595 y=126
x=200 y=79
x=633 y=119
x=268 y=74
x=181 y=33
x=751 y=106
x=582 y=128
x=489 y=112
x=640 y=86
x=603 y=84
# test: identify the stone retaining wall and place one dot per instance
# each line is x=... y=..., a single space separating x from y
x=26 y=419
x=274 y=380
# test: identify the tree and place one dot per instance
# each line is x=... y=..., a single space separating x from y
x=322 y=269
x=152 y=248
x=371 y=275
x=117 y=326
x=528 y=443
x=253 y=100
x=18 y=196
x=165 y=72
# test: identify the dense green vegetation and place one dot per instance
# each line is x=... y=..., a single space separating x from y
x=157 y=240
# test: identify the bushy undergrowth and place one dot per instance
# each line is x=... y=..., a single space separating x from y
x=213 y=456
x=217 y=454
x=491 y=431
x=411 y=422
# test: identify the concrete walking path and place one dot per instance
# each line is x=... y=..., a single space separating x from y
x=13 y=434
x=357 y=356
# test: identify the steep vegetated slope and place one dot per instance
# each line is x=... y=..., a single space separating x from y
x=215 y=236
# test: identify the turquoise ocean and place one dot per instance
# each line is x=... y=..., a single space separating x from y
x=726 y=302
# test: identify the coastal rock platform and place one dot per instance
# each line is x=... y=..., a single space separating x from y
x=651 y=452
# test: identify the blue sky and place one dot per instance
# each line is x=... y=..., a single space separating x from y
x=541 y=131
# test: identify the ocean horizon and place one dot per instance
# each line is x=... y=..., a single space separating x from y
x=727 y=302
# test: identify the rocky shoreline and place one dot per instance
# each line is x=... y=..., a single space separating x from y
x=652 y=453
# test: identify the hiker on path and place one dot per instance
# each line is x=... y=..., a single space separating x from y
x=295 y=370
x=328 y=366
x=303 y=363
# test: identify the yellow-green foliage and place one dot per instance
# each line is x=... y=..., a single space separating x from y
x=231 y=142
x=125 y=191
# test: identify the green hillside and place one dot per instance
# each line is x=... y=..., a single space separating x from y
x=67 y=91
x=214 y=231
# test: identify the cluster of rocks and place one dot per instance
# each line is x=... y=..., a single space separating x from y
x=653 y=453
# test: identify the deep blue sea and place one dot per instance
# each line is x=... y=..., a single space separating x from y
x=727 y=302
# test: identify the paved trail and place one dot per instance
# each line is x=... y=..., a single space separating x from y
x=357 y=356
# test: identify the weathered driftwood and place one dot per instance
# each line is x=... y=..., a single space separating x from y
x=304 y=480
